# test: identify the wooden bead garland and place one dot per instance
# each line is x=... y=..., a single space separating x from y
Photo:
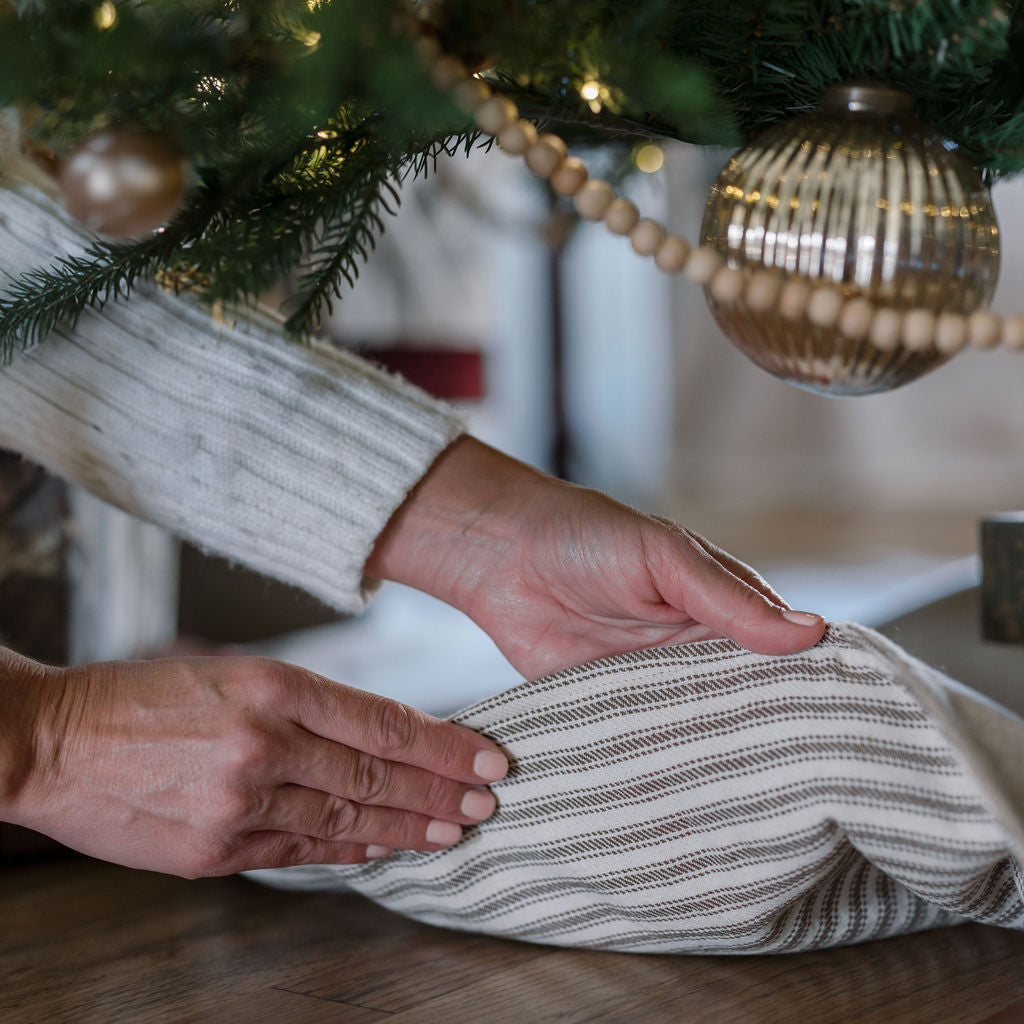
x=917 y=330
x=546 y=155
x=495 y=114
x=672 y=254
x=950 y=332
x=727 y=285
x=1012 y=334
x=646 y=236
x=701 y=265
x=823 y=306
x=762 y=289
x=593 y=199
x=621 y=216
x=470 y=93
x=568 y=178
x=793 y=298
x=517 y=138
x=982 y=329
x=885 y=329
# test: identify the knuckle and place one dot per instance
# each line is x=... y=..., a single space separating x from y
x=394 y=728
x=439 y=796
x=266 y=680
x=341 y=818
x=373 y=779
x=294 y=850
x=235 y=808
x=249 y=748
x=210 y=857
x=448 y=752
x=288 y=851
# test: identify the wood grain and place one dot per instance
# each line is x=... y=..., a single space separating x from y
x=84 y=942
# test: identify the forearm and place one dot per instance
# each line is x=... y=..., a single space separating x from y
x=288 y=458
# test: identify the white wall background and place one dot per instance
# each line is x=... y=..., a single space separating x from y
x=664 y=411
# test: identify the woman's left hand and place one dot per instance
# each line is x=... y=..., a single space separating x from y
x=558 y=574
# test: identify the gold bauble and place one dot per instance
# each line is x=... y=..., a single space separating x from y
x=123 y=183
x=863 y=196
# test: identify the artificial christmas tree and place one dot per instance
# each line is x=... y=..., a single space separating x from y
x=300 y=119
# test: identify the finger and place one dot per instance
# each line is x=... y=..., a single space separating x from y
x=287 y=849
x=740 y=570
x=713 y=595
x=393 y=731
x=354 y=775
x=308 y=812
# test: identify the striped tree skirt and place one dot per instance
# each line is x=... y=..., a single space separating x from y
x=703 y=799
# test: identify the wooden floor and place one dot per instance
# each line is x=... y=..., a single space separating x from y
x=84 y=942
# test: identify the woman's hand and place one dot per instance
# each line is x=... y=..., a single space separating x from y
x=209 y=766
x=558 y=575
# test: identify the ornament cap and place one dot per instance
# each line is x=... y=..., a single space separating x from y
x=872 y=98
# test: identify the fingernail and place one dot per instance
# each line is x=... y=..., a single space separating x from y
x=444 y=833
x=802 y=618
x=490 y=765
x=374 y=852
x=478 y=804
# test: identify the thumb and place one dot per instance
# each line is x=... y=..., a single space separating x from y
x=715 y=593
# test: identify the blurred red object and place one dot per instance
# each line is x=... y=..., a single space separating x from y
x=445 y=373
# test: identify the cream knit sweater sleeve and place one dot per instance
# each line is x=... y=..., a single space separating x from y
x=287 y=458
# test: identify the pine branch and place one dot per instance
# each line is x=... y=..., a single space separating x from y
x=45 y=297
x=342 y=251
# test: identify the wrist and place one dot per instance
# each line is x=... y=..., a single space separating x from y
x=460 y=523
x=22 y=701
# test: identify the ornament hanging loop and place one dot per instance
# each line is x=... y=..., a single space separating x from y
x=872 y=99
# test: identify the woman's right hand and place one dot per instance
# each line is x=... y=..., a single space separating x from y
x=210 y=766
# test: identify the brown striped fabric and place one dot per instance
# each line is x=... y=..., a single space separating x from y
x=703 y=799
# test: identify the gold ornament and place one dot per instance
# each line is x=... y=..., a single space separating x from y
x=123 y=183
x=862 y=201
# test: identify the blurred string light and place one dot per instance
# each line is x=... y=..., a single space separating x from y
x=648 y=157
x=595 y=94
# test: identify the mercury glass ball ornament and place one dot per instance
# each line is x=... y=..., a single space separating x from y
x=123 y=184
x=863 y=196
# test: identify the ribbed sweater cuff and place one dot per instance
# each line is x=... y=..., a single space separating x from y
x=287 y=458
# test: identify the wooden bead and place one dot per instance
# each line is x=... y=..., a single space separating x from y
x=470 y=93
x=446 y=71
x=793 y=299
x=824 y=305
x=726 y=285
x=672 y=254
x=762 y=290
x=517 y=138
x=950 y=332
x=570 y=177
x=593 y=199
x=885 y=329
x=621 y=216
x=982 y=329
x=702 y=264
x=1012 y=334
x=496 y=114
x=854 y=319
x=918 y=330
x=546 y=155
x=646 y=236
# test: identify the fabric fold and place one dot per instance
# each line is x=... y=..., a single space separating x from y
x=704 y=799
